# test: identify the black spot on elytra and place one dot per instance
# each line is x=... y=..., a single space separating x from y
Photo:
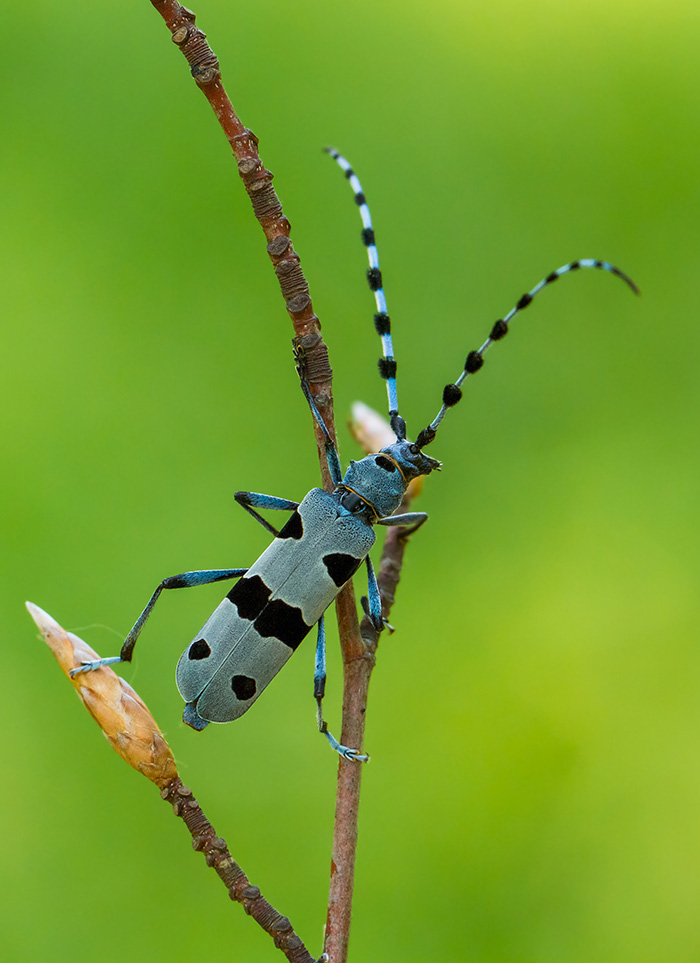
x=243 y=687
x=294 y=527
x=282 y=621
x=385 y=463
x=341 y=567
x=199 y=650
x=250 y=596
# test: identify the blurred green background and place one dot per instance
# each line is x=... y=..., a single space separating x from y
x=534 y=792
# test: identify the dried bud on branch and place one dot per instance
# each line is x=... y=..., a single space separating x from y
x=123 y=717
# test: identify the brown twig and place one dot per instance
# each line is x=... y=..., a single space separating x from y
x=358 y=645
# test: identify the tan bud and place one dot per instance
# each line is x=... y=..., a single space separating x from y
x=118 y=710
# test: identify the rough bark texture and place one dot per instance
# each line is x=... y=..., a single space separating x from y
x=240 y=889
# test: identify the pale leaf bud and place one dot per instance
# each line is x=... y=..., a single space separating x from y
x=123 y=717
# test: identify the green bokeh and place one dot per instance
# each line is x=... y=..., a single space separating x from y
x=534 y=789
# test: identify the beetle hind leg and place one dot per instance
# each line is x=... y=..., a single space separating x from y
x=352 y=755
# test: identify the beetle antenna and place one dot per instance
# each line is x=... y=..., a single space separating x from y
x=382 y=321
x=452 y=393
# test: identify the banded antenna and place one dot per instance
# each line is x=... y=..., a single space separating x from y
x=452 y=393
x=382 y=321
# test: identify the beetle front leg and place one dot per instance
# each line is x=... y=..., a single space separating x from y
x=411 y=521
x=252 y=500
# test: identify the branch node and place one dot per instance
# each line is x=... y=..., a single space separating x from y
x=278 y=245
x=246 y=139
x=311 y=355
x=298 y=304
x=261 y=183
x=205 y=75
x=249 y=164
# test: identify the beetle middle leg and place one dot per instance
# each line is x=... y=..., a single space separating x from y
x=372 y=602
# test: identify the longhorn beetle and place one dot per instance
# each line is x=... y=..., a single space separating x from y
x=276 y=602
